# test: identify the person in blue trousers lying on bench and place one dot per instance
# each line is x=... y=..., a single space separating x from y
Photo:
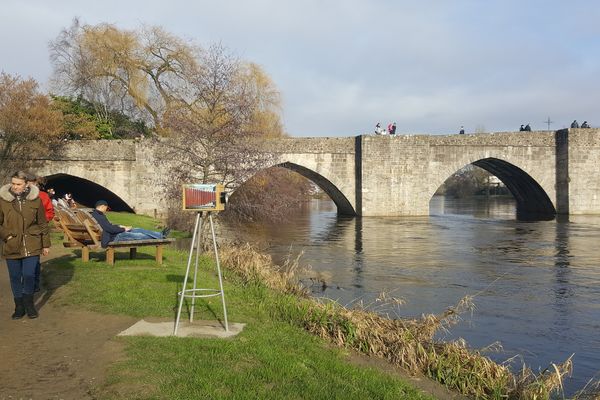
x=121 y=233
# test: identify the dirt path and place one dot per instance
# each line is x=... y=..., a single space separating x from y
x=63 y=354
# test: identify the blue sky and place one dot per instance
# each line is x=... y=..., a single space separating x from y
x=342 y=66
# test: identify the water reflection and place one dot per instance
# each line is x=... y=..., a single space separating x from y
x=537 y=284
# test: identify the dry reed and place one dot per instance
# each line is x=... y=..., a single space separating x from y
x=408 y=343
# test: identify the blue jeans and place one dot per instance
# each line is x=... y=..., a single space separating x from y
x=38 y=273
x=137 y=234
x=22 y=275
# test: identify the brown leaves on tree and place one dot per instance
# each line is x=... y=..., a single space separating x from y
x=29 y=126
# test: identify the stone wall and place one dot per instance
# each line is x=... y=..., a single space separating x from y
x=127 y=168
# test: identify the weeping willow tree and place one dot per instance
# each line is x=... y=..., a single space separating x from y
x=211 y=110
x=142 y=72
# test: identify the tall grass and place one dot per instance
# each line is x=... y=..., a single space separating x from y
x=408 y=343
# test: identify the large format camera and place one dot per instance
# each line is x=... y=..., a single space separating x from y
x=204 y=197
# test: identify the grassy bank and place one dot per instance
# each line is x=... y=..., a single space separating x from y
x=285 y=350
x=270 y=359
x=408 y=343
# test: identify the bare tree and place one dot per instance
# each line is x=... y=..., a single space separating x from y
x=211 y=136
x=219 y=137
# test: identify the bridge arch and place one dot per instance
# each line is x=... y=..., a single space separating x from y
x=533 y=203
x=85 y=192
x=344 y=206
x=341 y=201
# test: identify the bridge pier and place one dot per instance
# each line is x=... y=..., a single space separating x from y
x=547 y=172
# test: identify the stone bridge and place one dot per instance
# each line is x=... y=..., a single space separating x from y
x=547 y=172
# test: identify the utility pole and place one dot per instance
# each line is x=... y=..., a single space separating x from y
x=548 y=122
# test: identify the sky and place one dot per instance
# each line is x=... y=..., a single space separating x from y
x=344 y=65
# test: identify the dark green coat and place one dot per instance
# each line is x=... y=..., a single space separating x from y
x=24 y=220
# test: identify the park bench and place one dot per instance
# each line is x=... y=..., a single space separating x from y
x=82 y=230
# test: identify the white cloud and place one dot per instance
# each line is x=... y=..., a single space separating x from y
x=343 y=65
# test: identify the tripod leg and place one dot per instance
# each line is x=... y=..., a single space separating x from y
x=187 y=273
x=198 y=239
x=212 y=229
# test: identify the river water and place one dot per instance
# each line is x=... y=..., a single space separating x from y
x=536 y=284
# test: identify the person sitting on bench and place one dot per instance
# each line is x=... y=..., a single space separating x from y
x=120 y=233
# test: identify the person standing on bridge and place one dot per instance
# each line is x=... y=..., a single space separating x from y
x=24 y=231
x=527 y=128
x=585 y=124
x=574 y=124
x=462 y=130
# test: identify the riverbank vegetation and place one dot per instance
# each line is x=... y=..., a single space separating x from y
x=278 y=354
x=406 y=343
x=269 y=359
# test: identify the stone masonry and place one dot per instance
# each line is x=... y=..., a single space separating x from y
x=547 y=172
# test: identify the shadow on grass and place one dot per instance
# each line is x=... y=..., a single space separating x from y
x=200 y=303
x=55 y=273
x=122 y=254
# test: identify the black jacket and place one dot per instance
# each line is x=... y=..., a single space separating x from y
x=109 y=231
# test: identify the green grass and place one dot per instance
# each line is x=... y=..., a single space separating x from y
x=139 y=221
x=270 y=359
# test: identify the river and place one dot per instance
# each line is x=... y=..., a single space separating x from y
x=536 y=284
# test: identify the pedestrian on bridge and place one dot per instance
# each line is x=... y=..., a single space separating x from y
x=392 y=128
x=574 y=124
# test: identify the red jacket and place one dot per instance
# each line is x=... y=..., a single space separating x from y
x=47 y=203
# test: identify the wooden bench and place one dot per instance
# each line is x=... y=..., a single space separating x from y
x=75 y=232
x=82 y=230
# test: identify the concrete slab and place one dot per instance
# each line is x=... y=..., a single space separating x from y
x=206 y=329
